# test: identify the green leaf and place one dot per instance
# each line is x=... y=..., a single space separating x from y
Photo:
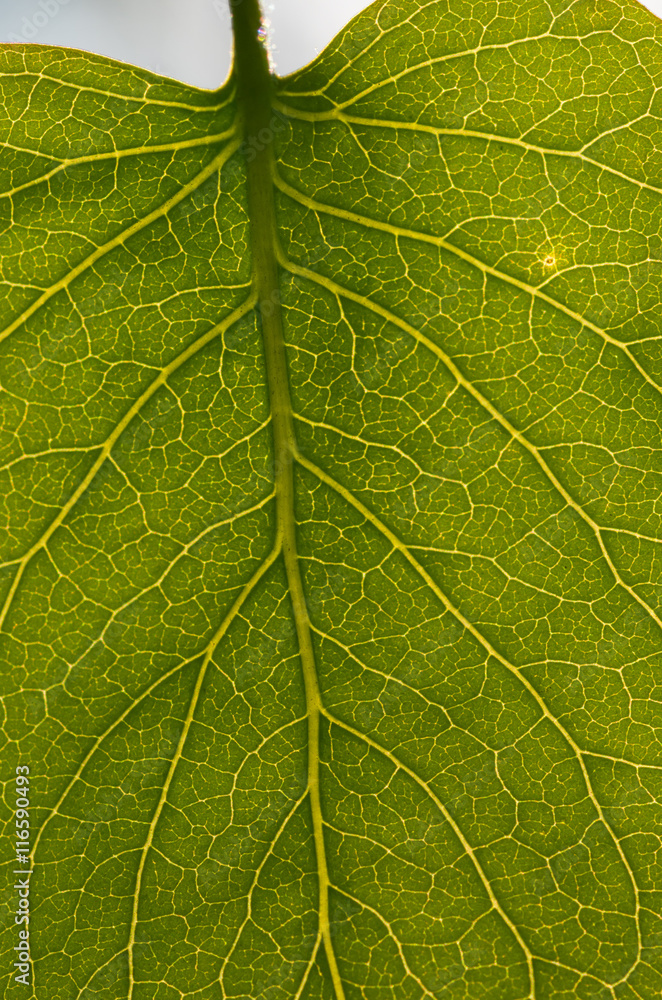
x=331 y=473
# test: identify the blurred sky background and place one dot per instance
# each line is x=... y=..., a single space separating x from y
x=189 y=40
x=185 y=39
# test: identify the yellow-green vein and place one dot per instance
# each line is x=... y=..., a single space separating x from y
x=131 y=98
x=404 y=550
x=212 y=167
x=112 y=438
x=466 y=846
x=489 y=407
x=193 y=703
x=399 y=232
x=256 y=876
x=385 y=123
x=115 y=154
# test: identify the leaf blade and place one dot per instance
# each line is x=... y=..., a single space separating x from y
x=468 y=293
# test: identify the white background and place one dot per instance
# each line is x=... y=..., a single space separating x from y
x=186 y=39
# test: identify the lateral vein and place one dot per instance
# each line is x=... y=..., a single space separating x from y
x=443 y=244
x=466 y=846
x=401 y=547
x=115 y=154
x=489 y=407
x=212 y=167
x=385 y=123
x=112 y=439
x=193 y=703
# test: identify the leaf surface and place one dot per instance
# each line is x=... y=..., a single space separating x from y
x=396 y=733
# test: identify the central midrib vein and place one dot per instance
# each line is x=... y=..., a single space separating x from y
x=254 y=91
